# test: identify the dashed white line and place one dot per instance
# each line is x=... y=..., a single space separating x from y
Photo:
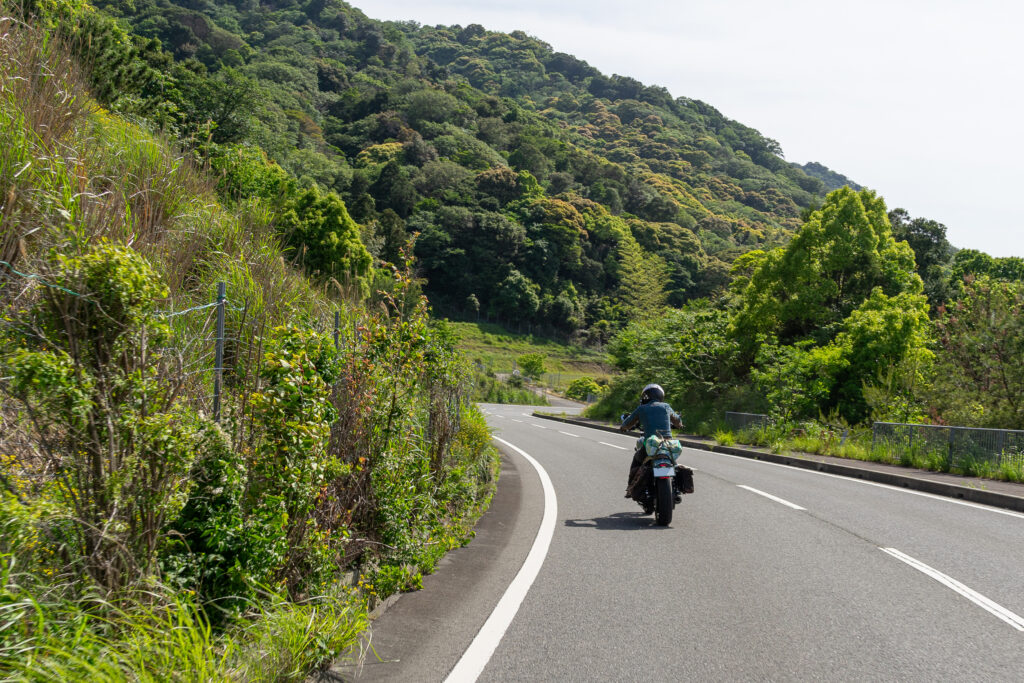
x=533 y=424
x=771 y=497
x=515 y=420
x=978 y=506
x=605 y=443
x=977 y=598
x=575 y=436
x=476 y=656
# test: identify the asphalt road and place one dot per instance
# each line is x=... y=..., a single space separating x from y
x=766 y=573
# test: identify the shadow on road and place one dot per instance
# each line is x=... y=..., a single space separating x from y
x=616 y=522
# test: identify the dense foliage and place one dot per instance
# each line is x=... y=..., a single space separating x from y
x=836 y=326
x=128 y=514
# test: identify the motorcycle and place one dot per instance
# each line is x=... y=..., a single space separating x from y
x=660 y=482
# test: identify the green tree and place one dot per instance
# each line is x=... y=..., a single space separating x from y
x=641 y=291
x=227 y=102
x=884 y=334
x=532 y=365
x=516 y=298
x=688 y=351
x=582 y=388
x=972 y=262
x=932 y=252
x=325 y=237
x=393 y=190
x=979 y=378
x=797 y=379
x=843 y=252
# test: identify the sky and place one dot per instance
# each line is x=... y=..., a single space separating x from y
x=920 y=100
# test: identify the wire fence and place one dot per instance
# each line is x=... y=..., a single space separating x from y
x=216 y=345
x=737 y=422
x=958 y=446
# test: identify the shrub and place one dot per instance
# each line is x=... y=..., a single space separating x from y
x=89 y=369
x=583 y=387
x=532 y=365
x=291 y=463
x=725 y=438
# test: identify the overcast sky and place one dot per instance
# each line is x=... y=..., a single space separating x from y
x=920 y=100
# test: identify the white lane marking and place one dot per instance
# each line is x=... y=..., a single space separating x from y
x=515 y=420
x=977 y=598
x=533 y=424
x=575 y=436
x=526 y=414
x=605 y=443
x=479 y=652
x=978 y=506
x=771 y=497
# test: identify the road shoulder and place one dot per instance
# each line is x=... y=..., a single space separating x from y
x=422 y=635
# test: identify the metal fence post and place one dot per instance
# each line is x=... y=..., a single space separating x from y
x=949 y=448
x=337 y=326
x=218 y=370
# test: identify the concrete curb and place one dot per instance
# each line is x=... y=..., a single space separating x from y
x=939 y=488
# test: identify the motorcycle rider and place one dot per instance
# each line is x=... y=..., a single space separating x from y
x=654 y=416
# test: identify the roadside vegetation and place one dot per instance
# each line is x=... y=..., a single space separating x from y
x=856 y=444
x=140 y=538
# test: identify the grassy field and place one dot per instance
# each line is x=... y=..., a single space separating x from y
x=495 y=350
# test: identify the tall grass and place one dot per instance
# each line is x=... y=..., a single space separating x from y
x=154 y=638
x=820 y=439
x=491 y=390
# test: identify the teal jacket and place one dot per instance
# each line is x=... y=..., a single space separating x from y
x=653 y=418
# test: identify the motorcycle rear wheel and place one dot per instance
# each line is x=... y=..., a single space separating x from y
x=663 y=503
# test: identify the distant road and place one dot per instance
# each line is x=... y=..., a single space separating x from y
x=767 y=573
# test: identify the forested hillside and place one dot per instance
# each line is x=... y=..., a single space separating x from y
x=560 y=196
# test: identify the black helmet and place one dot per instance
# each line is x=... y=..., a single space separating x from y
x=652 y=393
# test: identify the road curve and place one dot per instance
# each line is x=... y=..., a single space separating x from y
x=767 y=573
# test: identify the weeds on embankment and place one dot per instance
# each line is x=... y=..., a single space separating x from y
x=140 y=539
x=856 y=444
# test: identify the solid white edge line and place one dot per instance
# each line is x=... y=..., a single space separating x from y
x=605 y=443
x=977 y=598
x=978 y=506
x=771 y=497
x=475 y=658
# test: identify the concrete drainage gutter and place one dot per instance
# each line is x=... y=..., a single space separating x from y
x=890 y=475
